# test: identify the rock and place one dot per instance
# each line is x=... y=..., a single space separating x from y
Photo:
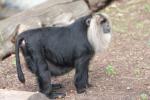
x=20 y=95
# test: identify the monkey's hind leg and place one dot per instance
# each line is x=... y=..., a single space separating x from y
x=29 y=59
x=44 y=77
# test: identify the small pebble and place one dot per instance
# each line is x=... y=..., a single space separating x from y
x=128 y=88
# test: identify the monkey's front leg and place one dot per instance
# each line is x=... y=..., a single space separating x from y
x=44 y=79
x=81 y=74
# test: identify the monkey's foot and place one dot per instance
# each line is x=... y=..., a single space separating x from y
x=89 y=85
x=82 y=90
x=56 y=95
x=57 y=86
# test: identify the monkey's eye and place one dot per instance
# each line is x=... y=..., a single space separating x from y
x=88 y=21
x=103 y=21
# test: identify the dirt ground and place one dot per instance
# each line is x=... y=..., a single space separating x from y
x=120 y=73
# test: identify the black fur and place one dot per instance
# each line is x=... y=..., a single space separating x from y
x=54 y=51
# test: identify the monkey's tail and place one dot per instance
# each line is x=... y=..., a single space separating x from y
x=18 y=65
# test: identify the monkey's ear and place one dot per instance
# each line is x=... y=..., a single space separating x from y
x=88 y=20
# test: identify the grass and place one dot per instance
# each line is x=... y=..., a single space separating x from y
x=147 y=8
x=13 y=61
x=137 y=72
x=110 y=70
x=144 y=96
x=1 y=38
x=140 y=25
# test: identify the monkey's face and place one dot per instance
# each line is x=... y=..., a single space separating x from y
x=99 y=32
